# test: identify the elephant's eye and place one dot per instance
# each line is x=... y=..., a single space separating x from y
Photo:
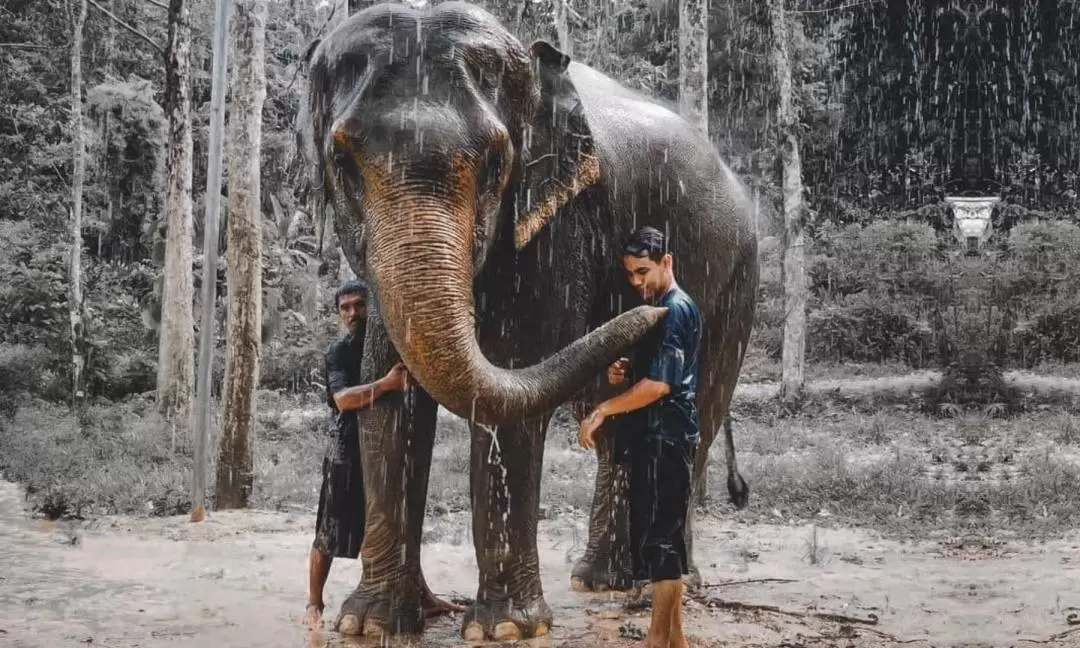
x=492 y=169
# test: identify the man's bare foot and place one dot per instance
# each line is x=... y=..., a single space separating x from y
x=313 y=616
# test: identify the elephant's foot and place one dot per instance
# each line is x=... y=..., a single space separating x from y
x=506 y=620
x=383 y=609
x=386 y=609
x=600 y=575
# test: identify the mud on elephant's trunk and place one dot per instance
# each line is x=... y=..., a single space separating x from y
x=420 y=254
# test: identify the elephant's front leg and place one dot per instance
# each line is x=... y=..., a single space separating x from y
x=397 y=438
x=505 y=488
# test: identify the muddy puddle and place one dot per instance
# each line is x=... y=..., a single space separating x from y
x=239 y=580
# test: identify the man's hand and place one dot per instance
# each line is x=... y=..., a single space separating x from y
x=616 y=373
x=590 y=426
x=397 y=378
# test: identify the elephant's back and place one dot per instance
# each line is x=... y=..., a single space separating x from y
x=659 y=171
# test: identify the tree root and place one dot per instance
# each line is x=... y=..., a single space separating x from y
x=715 y=602
x=748 y=581
x=1054 y=637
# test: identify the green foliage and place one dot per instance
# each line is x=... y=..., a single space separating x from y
x=33 y=287
x=867 y=331
x=110 y=459
x=886 y=258
x=127 y=163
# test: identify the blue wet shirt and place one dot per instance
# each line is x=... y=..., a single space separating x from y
x=670 y=354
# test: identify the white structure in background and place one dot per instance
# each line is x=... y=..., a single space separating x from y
x=971 y=219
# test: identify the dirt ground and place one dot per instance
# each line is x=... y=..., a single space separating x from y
x=239 y=580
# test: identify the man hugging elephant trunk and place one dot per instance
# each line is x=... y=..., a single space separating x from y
x=482 y=189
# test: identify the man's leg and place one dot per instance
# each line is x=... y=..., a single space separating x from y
x=323 y=548
x=663 y=470
x=318 y=571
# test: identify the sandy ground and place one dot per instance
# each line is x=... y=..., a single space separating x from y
x=239 y=580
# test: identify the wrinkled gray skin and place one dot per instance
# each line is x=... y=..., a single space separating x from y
x=483 y=189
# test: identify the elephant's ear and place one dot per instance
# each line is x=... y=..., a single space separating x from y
x=558 y=156
x=308 y=125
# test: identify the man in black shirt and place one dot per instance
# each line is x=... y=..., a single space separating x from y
x=339 y=523
x=659 y=433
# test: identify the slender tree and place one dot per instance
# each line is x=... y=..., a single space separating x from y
x=248 y=34
x=203 y=413
x=176 y=342
x=75 y=296
x=694 y=63
x=694 y=95
x=560 y=11
x=793 y=358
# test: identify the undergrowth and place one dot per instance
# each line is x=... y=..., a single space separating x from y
x=893 y=470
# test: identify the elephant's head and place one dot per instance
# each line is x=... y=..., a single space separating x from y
x=436 y=136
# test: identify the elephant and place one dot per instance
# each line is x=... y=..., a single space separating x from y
x=483 y=190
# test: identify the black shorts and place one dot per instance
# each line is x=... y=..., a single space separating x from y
x=660 y=473
x=339 y=522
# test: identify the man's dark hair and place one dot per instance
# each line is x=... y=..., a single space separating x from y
x=352 y=287
x=646 y=241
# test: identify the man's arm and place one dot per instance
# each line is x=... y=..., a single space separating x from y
x=361 y=396
x=664 y=371
x=357 y=397
x=645 y=392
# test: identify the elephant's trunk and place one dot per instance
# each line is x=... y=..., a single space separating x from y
x=420 y=252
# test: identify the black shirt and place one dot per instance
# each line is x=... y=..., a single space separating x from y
x=670 y=354
x=343 y=359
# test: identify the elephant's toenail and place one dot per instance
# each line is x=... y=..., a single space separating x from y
x=541 y=630
x=473 y=632
x=507 y=631
x=372 y=628
x=578 y=585
x=349 y=625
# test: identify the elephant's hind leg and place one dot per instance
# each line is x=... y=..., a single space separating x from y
x=505 y=489
x=606 y=564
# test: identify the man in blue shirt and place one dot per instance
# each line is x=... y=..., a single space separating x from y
x=659 y=434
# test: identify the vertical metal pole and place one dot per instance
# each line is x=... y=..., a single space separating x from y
x=202 y=412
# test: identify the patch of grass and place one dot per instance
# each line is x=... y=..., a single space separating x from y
x=887 y=492
x=124 y=458
x=116 y=459
x=895 y=470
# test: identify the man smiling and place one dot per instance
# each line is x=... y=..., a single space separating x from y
x=660 y=434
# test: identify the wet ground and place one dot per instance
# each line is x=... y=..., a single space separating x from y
x=238 y=580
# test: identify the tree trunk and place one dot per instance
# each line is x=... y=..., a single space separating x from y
x=345 y=271
x=694 y=63
x=562 y=26
x=794 y=247
x=244 y=250
x=203 y=415
x=176 y=342
x=75 y=296
x=694 y=97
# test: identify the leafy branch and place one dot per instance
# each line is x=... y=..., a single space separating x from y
x=119 y=21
